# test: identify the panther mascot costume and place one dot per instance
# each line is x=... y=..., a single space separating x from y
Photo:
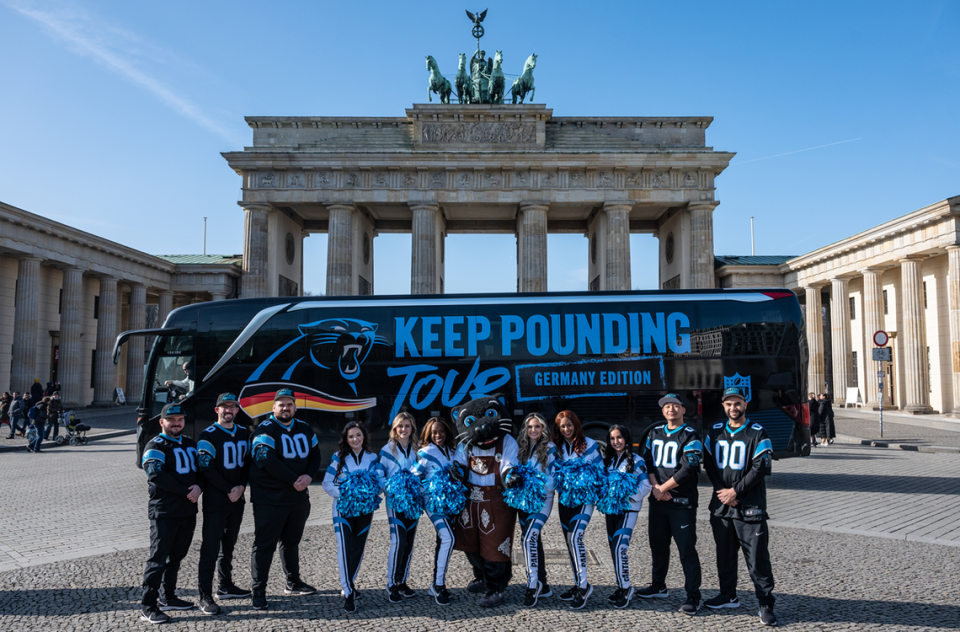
x=484 y=530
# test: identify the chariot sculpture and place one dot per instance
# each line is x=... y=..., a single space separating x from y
x=483 y=80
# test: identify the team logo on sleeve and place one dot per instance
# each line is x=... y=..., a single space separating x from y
x=741 y=382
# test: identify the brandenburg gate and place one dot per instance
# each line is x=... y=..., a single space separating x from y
x=475 y=168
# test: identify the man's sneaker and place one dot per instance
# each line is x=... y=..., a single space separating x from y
x=722 y=601
x=580 y=599
x=259 y=602
x=569 y=594
x=766 y=615
x=545 y=591
x=153 y=615
x=209 y=606
x=440 y=594
x=477 y=585
x=616 y=594
x=690 y=606
x=406 y=591
x=299 y=588
x=348 y=604
x=393 y=595
x=232 y=592
x=530 y=596
x=175 y=603
x=625 y=598
x=492 y=600
x=652 y=592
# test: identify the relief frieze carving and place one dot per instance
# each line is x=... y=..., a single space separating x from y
x=549 y=181
x=295 y=181
x=268 y=180
x=689 y=179
x=633 y=180
x=380 y=179
x=409 y=180
x=351 y=179
x=604 y=179
x=577 y=179
x=436 y=179
x=478 y=133
x=324 y=180
x=659 y=180
x=464 y=180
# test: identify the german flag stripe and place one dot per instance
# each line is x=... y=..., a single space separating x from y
x=259 y=404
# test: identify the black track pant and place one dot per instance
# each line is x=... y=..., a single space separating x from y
x=273 y=524
x=496 y=575
x=619 y=531
x=403 y=531
x=169 y=542
x=220 y=531
x=680 y=524
x=351 y=534
x=753 y=538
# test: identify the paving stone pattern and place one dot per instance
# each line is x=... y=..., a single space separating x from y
x=90 y=501
x=920 y=431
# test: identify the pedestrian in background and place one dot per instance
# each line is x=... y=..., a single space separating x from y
x=36 y=391
x=54 y=409
x=813 y=404
x=38 y=421
x=5 y=402
x=16 y=415
x=827 y=430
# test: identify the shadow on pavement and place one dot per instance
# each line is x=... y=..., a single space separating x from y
x=865 y=483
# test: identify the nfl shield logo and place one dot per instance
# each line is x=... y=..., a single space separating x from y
x=741 y=382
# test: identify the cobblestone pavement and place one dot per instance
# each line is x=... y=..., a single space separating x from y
x=918 y=430
x=827 y=579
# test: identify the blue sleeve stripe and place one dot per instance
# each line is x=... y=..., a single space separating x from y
x=331 y=470
x=206 y=446
x=386 y=454
x=765 y=446
x=154 y=455
x=429 y=457
x=706 y=445
x=266 y=440
x=314 y=442
x=693 y=446
x=591 y=449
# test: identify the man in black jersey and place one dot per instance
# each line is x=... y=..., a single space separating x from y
x=738 y=455
x=286 y=459
x=673 y=452
x=224 y=464
x=170 y=461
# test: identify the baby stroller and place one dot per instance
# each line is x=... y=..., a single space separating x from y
x=76 y=430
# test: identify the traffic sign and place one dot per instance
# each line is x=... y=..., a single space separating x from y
x=882 y=354
x=881 y=338
x=881 y=374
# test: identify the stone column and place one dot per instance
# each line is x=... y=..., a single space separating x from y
x=218 y=296
x=914 y=338
x=872 y=323
x=423 y=255
x=71 y=363
x=25 y=325
x=953 y=295
x=105 y=380
x=164 y=308
x=702 y=276
x=814 y=326
x=340 y=250
x=617 y=255
x=135 y=345
x=255 y=249
x=532 y=236
x=840 y=338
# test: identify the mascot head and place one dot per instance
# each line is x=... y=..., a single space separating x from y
x=482 y=421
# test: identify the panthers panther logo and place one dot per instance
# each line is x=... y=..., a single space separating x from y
x=335 y=344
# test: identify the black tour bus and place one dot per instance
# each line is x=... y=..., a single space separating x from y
x=608 y=356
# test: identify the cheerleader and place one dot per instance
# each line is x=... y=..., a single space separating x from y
x=399 y=455
x=536 y=451
x=353 y=456
x=617 y=457
x=435 y=453
x=571 y=445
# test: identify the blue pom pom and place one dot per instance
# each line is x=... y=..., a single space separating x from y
x=405 y=495
x=444 y=496
x=578 y=482
x=619 y=487
x=359 y=494
x=530 y=494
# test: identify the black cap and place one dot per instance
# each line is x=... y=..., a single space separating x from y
x=285 y=392
x=227 y=397
x=733 y=391
x=171 y=410
x=669 y=398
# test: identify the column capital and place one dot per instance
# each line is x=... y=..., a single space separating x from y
x=29 y=258
x=702 y=205
x=535 y=206
x=167 y=293
x=841 y=278
x=911 y=259
x=873 y=270
x=617 y=206
x=265 y=207
x=954 y=247
x=136 y=286
x=423 y=206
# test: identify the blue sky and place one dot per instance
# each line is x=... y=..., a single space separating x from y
x=843 y=115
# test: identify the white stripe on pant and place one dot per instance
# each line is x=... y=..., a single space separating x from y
x=574 y=522
x=619 y=529
x=402 y=533
x=531 y=540
x=444 y=547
